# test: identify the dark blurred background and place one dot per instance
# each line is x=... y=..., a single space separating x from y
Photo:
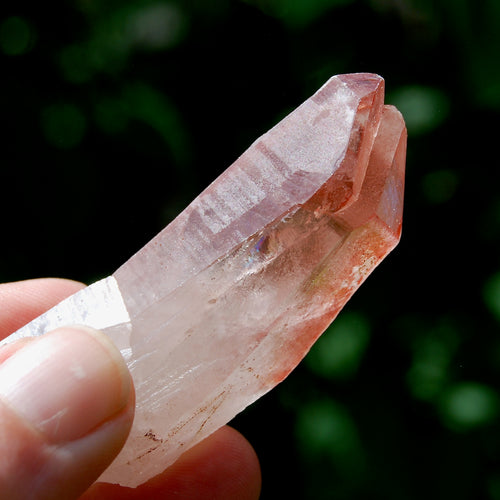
x=116 y=114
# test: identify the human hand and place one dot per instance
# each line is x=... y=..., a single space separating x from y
x=66 y=407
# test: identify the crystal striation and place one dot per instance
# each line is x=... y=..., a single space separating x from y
x=222 y=304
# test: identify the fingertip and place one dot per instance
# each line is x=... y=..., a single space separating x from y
x=224 y=466
x=22 y=301
x=69 y=400
x=243 y=466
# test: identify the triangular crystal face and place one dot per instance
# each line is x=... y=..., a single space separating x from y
x=222 y=304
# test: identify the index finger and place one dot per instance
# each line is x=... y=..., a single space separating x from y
x=22 y=301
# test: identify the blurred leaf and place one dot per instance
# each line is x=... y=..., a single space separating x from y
x=324 y=429
x=16 y=36
x=491 y=294
x=468 y=405
x=423 y=108
x=159 y=25
x=298 y=13
x=338 y=352
x=475 y=31
x=433 y=347
x=145 y=103
x=114 y=36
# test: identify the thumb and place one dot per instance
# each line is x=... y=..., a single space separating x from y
x=66 y=407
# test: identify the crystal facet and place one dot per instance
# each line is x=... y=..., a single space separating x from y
x=221 y=305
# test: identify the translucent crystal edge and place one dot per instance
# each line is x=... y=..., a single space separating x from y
x=99 y=306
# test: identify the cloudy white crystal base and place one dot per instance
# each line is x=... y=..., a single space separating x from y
x=99 y=306
x=226 y=301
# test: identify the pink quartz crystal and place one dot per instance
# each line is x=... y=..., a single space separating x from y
x=222 y=304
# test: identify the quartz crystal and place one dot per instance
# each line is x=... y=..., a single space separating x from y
x=221 y=305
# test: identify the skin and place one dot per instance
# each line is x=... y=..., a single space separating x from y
x=40 y=463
